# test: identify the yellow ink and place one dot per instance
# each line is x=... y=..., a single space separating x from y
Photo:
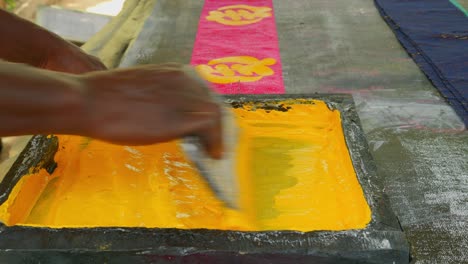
x=239 y=15
x=236 y=69
x=295 y=173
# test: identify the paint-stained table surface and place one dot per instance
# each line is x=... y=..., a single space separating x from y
x=343 y=46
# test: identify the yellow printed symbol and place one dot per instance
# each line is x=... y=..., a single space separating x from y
x=239 y=15
x=236 y=69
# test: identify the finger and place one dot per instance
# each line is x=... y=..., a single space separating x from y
x=209 y=133
x=184 y=84
x=186 y=78
x=170 y=65
x=190 y=99
x=99 y=66
x=212 y=139
x=201 y=84
x=94 y=64
x=212 y=136
x=186 y=124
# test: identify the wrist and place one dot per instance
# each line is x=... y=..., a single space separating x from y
x=41 y=102
x=80 y=119
x=70 y=108
x=85 y=115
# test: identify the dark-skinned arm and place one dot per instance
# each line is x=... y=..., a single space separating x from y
x=24 y=42
x=134 y=106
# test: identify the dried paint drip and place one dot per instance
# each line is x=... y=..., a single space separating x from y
x=295 y=174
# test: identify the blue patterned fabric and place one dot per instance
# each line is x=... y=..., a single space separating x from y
x=435 y=34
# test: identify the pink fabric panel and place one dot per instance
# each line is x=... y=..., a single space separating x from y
x=256 y=37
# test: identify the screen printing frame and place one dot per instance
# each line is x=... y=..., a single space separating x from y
x=382 y=241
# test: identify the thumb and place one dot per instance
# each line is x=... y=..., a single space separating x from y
x=209 y=131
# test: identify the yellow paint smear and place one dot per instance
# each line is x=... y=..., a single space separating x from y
x=294 y=166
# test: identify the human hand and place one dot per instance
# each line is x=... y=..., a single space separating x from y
x=66 y=57
x=151 y=104
x=27 y=43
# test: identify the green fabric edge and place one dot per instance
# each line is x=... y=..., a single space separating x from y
x=459 y=6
